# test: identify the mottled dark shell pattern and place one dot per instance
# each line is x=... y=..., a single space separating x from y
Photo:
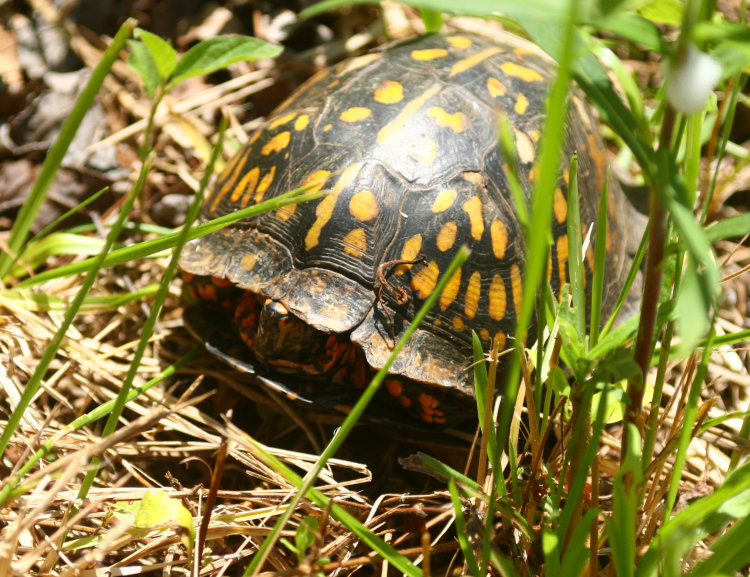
x=404 y=143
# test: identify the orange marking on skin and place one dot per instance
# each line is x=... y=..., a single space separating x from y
x=324 y=210
x=496 y=88
x=277 y=143
x=394 y=127
x=427 y=401
x=364 y=206
x=450 y=292
x=473 y=60
x=456 y=121
x=523 y=72
x=390 y=92
x=447 y=236
x=473 y=292
x=429 y=54
x=425 y=280
x=473 y=208
x=394 y=387
x=560 y=206
x=499 y=236
x=355 y=114
x=444 y=200
x=355 y=242
x=498 y=299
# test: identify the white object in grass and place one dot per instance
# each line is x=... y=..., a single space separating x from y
x=690 y=82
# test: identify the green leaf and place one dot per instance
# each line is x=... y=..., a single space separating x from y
x=161 y=51
x=305 y=536
x=140 y=60
x=732 y=227
x=216 y=53
x=662 y=11
x=702 y=517
x=158 y=510
x=633 y=28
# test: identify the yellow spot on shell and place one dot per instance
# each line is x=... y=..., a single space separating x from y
x=429 y=54
x=516 y=285
x=473 y=292
x=324 y=210
x=499 y=236
x=522 y=103
x=277 y=143
x=444 y=200
x=501 y=339
x=496 y=88
x=458 y=324
x=355 y=114
x=302 y=122
x=286 y=212
x=473 y=60
x=318 y=179
x=274 y=124
x=364 y=206
x=390 y=92
x=458 y=41
x=498 y=299
x=473 y=208
x=355 y=242
x=247 y=185
x=456 y=121
x=410 y=251
x=560 y=206
x=412 y=247
x=394 y=126
x=562 y=258
x=524 y=146
x=450 y=292
x=423 y=151
x=484 y=334
x=327 y=127
x=264 y=183
x=523 y=72
x=425 y=280
x=231 y=174
x=447 y=236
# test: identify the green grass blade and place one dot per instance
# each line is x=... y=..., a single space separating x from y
x=169 y=241
x=50 y=351
x=54 y=157
x=600 y=258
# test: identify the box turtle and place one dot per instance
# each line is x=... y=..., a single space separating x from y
x=404 y=144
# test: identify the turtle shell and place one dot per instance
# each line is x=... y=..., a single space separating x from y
x=404 y=145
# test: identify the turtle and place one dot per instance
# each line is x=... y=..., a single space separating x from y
x=403 y=146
